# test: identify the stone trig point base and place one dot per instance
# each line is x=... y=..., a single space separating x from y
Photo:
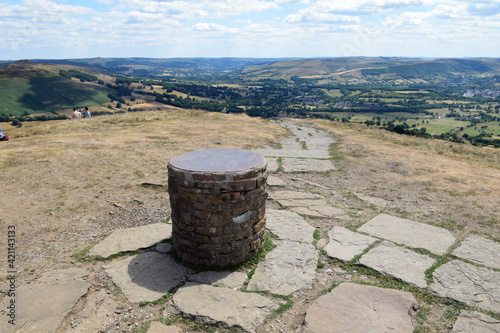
x=218 y=200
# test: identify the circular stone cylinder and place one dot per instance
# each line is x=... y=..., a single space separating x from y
x=218 y=200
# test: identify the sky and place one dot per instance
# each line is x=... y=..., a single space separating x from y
x=63 y=29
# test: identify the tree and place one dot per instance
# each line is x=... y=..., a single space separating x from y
x=17 y=122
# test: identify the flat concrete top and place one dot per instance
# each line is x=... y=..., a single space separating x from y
x=218 y=160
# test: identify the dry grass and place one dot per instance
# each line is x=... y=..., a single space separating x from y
x=65 y=175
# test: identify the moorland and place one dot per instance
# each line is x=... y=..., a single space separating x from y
x=69 y=184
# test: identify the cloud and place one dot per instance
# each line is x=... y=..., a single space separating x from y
x=309 y=15
x=213 y=27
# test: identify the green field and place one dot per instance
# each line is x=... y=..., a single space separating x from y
x=47 y=94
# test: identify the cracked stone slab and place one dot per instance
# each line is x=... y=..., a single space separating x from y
x=479 y=250
x=475 y=322
x=418 y=235
x=289 y=226
x=146 y=277
x=399 y=262
x=224 y=279
x=43 y=307
x=132 y=239
x=319 y=211
x=287 y=268
x=306 y=165
x=94 y=315
x=212 y=305
x=345 y=244
x=475 y=286
x=294 y=195
x=359 y=308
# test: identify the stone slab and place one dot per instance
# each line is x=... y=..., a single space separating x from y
x=306 y=165
x=479 y=250
x=475 y=286
x=95 y=315
x=132 y=239
x=399 y=262
x=319 y=211
x=287 y=268
x=42 y=307
x=233 y=280
x=302 y=202
x=360 y=308
x=294 y=195
x=289 y=226
x=345 y=244
x=272 y=164
x=146 y=277
x=418 y=235
x=273 y=180
x=475 y=322
x=222 y=306
x=62 y=275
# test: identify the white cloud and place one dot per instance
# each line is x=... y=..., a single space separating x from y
x=213 y=27
x=309 y=15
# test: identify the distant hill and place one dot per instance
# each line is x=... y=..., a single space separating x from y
x=30 y=87
x=373 y=70
x=165 y=66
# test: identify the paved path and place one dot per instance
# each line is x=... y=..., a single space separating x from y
x=401 y=248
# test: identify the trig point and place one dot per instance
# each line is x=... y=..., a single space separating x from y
x=218 y=200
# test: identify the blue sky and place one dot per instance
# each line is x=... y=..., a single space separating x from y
x=58 y=29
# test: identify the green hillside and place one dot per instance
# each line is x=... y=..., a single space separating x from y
x=27 y=87
x=373 y=70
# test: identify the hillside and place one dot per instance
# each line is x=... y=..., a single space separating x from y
x=374 y=70
x=30 y=87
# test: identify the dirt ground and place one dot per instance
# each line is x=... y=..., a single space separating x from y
x=68 y=184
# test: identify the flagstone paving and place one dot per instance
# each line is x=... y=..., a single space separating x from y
x=398 y=262
x=309 y=165
x=475 y=322
x=42 y=307
x=475 y=286
x=147 y=276
x=345 y=244
x=289 y=226
x=287 y=268
x=233 y=280
x=358 y=308
x=311 y=207
x=212 y=297
x=132 y=239
x=212 y=305
x=307 y=151
x=479 y=250
x=418 y=235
